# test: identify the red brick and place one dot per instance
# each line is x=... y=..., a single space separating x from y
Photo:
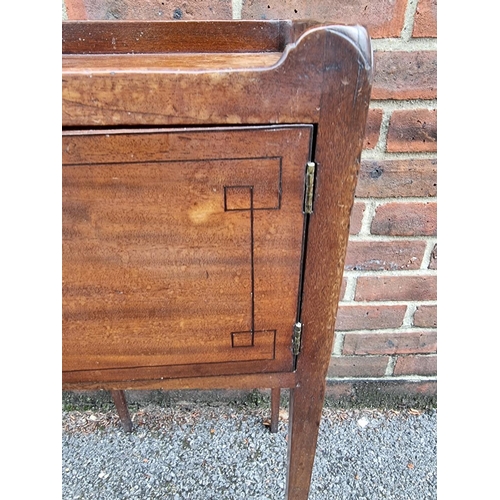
x=405 y=75
x=382 y=18
x=384 y=255
x=358 y=210
x=433 y=264
x=425 y=22
x=362 y=317
x=342 y=288
x=371 y=288
x=416 y=365
x=149 y=9
x=390 y=343
x=390 y=178
x=357 y=366
x=372 y=130
x=405 y=219
x=425 y=317
x=413 y=130
x=75 y=9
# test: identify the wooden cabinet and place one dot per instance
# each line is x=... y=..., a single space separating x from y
x=208 y=177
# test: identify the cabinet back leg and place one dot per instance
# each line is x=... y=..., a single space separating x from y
x=275 y=408
x=121 y=407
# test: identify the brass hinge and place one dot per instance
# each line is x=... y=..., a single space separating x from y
x=296 y=339
x=309 y=188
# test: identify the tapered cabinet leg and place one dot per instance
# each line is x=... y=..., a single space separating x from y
x=275 y=408
x=306 y=404
x=121 y=407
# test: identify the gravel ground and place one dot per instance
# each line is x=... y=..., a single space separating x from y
x=201 y=452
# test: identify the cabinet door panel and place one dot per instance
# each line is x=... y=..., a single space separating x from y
x=181 y=250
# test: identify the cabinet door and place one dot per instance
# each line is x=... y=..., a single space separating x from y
x=182 y=251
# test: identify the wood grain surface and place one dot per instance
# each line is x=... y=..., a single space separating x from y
x=175 y=254
x=287 y=91
x=123 y=63
x=148 y=37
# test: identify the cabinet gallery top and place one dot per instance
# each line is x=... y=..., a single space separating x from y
x=208 y=72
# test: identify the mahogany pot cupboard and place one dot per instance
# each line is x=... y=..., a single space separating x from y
x=208 y=177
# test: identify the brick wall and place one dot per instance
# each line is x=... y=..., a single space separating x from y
x=386 y=324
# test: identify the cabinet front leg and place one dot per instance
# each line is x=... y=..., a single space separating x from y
x=306 y=404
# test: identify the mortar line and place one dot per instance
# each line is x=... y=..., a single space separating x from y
x=385 y=331
x=407 y=378
x=390 y=272
x=405 y=104
x=411 y=8
x=372 y=154
x=338 y=344
x=237 y=6
x=392 y=199
x=426 y=259
x=350 y=289
x=402 y=45
x=370 y=208
x=382 y=237
x=377 y=303
x=391 y=363
x=427 y=355
x=381 y=145
x=408 y=317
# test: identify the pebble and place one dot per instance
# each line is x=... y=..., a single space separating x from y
x=173 y=454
